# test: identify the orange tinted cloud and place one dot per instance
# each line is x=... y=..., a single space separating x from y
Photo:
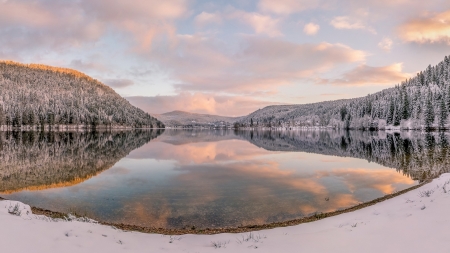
x=431 y=29
x=367 y=75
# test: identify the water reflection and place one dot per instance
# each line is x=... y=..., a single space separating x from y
x=214 y=178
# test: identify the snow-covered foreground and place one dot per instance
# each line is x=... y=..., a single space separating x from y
x=417 y=221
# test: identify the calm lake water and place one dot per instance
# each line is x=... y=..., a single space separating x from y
x=213 y=178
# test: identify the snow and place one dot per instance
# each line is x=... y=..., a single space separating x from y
x=416 y=221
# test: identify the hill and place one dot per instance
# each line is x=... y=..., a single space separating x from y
x=422 y=102
x=40 y=96
x=187 y=120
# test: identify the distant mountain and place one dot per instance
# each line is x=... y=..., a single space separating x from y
x=422 y=102
x=36 y=96
x=186 y=119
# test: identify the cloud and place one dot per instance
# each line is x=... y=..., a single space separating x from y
x=118 y=83
x=258 y=66
x=285 y=7
x=206 y=18
x=430 y=29
x=261 y=24
x=311 y=28
x=330 y=94
x=58 y=25
x=385 y=44
x=345 y=22
x=81 y=65
x=200 y=103
x=367 y=75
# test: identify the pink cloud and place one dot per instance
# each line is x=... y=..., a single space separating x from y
x=26 y=25
x=259 y=66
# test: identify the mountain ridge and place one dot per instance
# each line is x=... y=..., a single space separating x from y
x=180 y=118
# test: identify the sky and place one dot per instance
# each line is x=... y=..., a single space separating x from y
x=230 y=57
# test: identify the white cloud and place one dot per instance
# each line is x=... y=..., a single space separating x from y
x=118 y=83
x=345 y=22
x=206 y=18
x=285 y=7
x=261 y=24
x=385 y=44
x=311 y=28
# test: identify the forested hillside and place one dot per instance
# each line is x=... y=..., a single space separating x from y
x=38 y=96
x=422 y=102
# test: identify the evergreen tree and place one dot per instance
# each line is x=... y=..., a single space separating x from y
x=2 y=116
x=397 y=116
x=391 y=111
x=443 y=114
x=428 y=113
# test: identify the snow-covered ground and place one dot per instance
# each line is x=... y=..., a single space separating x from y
x=418 y=221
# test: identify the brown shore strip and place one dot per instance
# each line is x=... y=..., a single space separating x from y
x=242 y=229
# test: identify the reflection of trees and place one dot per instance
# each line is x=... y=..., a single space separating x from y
x=419 y=155
x=39 y=160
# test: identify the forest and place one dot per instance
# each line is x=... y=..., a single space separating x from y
x=421 y=102
x=34 y=96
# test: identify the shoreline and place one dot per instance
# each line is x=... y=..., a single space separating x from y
x=233 y=230
x=415 y=222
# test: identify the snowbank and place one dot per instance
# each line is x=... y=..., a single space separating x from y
x=417 y=221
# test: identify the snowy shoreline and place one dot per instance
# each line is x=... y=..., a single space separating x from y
x=416 y=221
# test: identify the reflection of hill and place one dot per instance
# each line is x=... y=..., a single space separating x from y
x=419 y=155
x=41 y=160
x=180 y=137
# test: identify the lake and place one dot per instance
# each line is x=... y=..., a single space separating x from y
x=213 y=178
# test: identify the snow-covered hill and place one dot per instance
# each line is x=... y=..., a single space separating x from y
x=37 y=96
x=422 y=102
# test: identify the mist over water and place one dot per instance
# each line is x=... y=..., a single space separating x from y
x=213 y=178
